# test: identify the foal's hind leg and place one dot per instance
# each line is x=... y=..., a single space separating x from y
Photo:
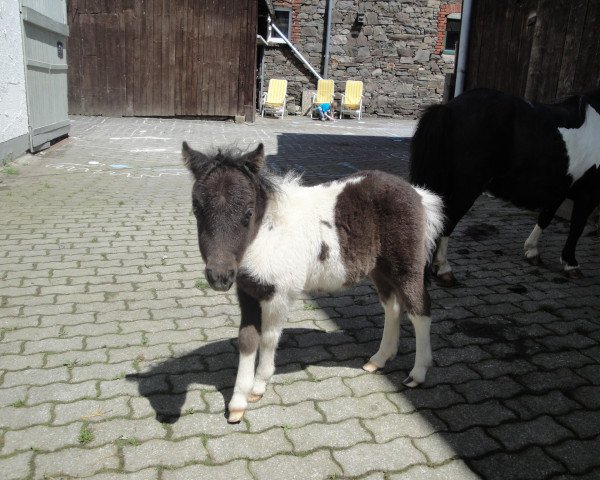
x=418 y=307
x=388 y=347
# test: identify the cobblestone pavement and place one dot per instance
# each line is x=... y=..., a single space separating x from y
x=117 y=360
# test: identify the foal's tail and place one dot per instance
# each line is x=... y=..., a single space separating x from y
x=430 y=155
x=434 y=219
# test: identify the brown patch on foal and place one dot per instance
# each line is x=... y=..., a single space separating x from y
x=379 y=221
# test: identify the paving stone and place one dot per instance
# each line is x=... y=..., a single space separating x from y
x=100 y=371
x=531 y=406
x=364 y=458
x=562 y=378
x=471 y=355
x=541 y=431
x=414 y=425
x=456 y=469
x=473 y=442
x=75 y=357
x=125 y=431
x=62 y=392
x=586 y=424
x=14 y=418
x=90 y=410
x=41 y=437
x=315 y=466
x=54 y=345
x=16 y=467
x=147 y=474
x=20 y=362
x=479 y=390
x=327 y=435
x=202 y=423
x=160 y=452
x=460 y=417
x=315 y=390
x=142 y=353
x=76 y=462
x=589 y=396
x=369 y=406
x=248 y=445
x=293 y=416
x=233 y=470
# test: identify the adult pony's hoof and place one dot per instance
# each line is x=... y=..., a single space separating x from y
x=574 y=273
x=253 y=398
x=536 y=261
x=446 y=280
x=235 y=416
x=370 y=367
x=409 y=382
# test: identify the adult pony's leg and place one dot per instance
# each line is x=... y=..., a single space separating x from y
x=391 y=327
x=248 y=338
x=274 y=313
x=532 y=254
x=418 y=307
x=456 y=208
x=584 y=204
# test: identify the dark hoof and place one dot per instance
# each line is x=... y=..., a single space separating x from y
x=574 y=273
x=535 y=261
x=446 y=280
x=409 y=382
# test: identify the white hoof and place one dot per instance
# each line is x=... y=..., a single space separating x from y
x=254 y=397
x=235 y=416
x=371 y=366
x=410 y=382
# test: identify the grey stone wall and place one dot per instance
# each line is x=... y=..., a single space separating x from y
x=392 y=53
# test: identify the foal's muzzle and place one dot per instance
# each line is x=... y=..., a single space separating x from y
x=220 y=280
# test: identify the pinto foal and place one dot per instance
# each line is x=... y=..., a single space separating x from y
x=276 y=239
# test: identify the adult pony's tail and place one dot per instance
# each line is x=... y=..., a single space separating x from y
x=429 y=159
x=434 y=219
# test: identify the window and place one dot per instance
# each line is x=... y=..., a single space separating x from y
x=452 y=33
x=283 y=21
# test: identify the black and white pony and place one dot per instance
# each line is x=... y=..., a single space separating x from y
x=531 y=154
x=276 y=238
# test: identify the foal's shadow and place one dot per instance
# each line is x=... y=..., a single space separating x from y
x=166 y=384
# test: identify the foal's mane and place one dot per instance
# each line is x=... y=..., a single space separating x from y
x=233 y=158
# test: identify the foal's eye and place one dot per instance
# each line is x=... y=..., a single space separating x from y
x=247 y=217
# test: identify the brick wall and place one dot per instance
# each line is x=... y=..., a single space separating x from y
x=395 y=53
x=445 y=10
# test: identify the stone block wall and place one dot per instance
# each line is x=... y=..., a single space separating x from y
x=393 y=52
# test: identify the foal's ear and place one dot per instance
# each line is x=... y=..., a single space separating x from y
x=192 y=159
x=255 y=160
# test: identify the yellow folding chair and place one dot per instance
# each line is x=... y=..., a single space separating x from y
x=352 y=99
x=274 y=98
x=324 y=94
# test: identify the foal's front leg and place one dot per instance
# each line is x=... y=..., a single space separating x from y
x=248 y=339
x=274 y=313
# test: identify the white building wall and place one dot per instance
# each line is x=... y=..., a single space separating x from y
x=13 y=101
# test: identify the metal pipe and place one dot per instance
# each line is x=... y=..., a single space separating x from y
x=327 y=38
x=296 y=52
x=463 y=47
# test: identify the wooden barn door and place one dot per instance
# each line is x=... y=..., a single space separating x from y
x=162 y=57
x=540 y=49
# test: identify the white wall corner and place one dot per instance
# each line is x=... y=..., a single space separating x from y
x=14 y=121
